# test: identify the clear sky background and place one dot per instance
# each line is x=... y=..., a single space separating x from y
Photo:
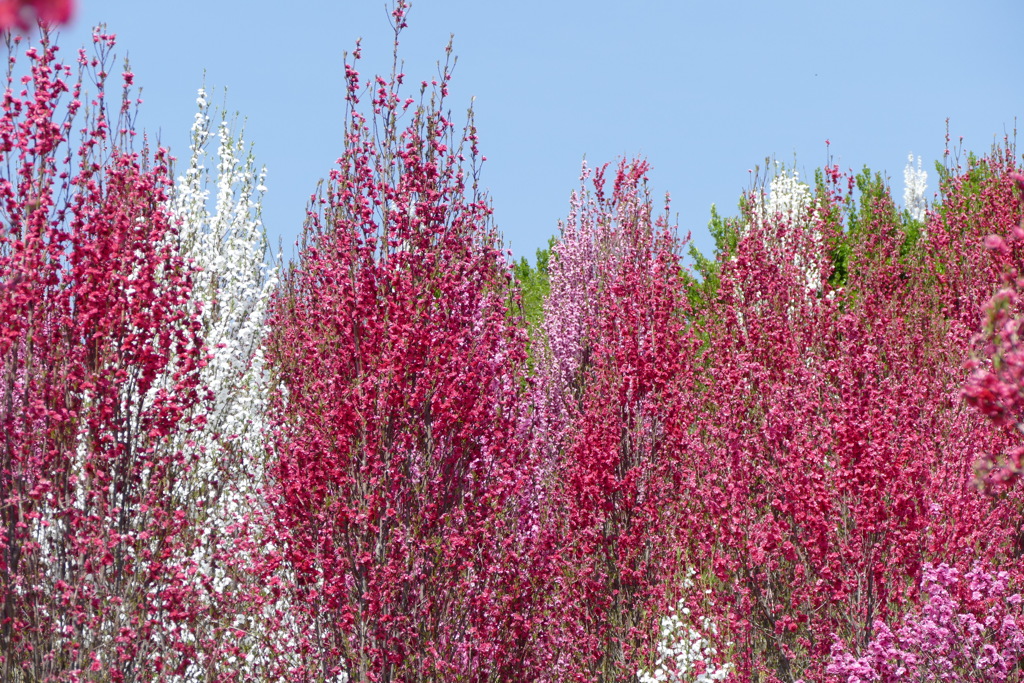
x=703 y=90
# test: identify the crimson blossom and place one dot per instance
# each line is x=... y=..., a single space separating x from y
x=99 y=354
x=835 y=456
x=395 y=449
x=611 y=424
x=996 y=384
x=23 y=14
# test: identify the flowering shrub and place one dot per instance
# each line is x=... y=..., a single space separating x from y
x=969 y=627
x=997 y=378
x=611 y=423
x=220 y=492
x=94 y=299
x=395 y=446
x=833 y=457
x=684 y=652
x=789 y=222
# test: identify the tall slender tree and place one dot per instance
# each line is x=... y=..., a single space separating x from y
x=238 y=626
x=612 y=424
x=94 y=299
x=395 y=448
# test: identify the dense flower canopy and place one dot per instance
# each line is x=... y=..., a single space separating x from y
x=798 y=460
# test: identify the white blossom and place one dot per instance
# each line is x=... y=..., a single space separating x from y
x=788 y=211
x=914 y=185
x=223 y=237
x=682 y=646
x=788 y=199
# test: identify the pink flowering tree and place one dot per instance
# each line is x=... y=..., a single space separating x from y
x=93 y=295
x=611 y=392
x=395 y=453
x=991 y=197
x=969 y=627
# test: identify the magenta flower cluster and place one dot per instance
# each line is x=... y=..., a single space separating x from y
x=968 y=627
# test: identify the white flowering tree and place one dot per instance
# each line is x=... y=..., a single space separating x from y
x=223 y=236
x=787 y=213
x=228 y=245
x=914 y=185
x=686 y=651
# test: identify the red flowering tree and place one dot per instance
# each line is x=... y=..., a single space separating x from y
x=836 y=458
x=98 y=359
x=395 y=448
x=612 y=388
x=989 y=197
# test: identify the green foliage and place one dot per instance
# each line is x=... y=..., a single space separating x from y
x=913 y=232
x=874 y=207
x=871 y=209
x=838 y=246
x=726 y=233
x=534 y=285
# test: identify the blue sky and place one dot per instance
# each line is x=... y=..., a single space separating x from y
x=705 y=91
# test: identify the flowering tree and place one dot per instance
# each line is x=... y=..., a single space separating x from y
x=237 y=629
x=610 y=422
x=687 y=648
x=94 y=299
x=395 y=445
x=997 y=378
x=790 y=223
x=968 y=628
x=914 y=185
x=834 y=458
